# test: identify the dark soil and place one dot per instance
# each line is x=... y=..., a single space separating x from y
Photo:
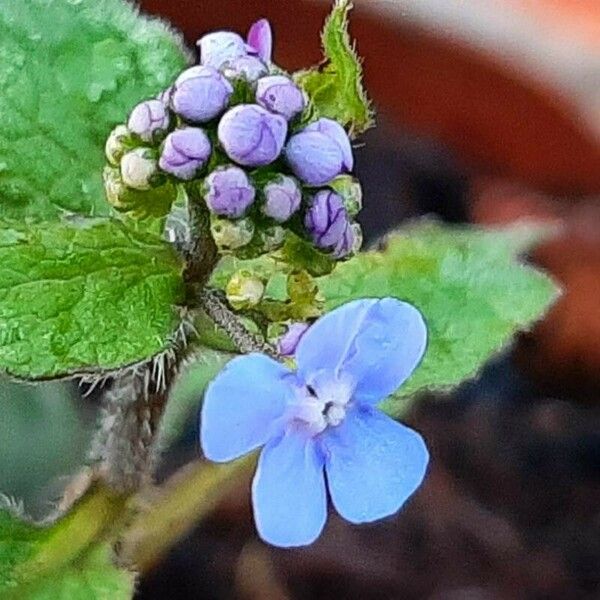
x=509 y=510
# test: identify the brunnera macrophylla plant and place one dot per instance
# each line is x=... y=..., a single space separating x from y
x=177 y=222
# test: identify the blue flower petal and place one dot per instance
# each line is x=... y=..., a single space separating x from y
x=243 y=407
x=373 y=465
x=375 y=343
x=288 y=491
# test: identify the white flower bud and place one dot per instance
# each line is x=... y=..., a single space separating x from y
x=244 y=290
x=138 y=169
x=117 y=144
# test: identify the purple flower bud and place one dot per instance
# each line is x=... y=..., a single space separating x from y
x=251 y=135
x=229 y=192
x=220 y=46
x=286 y=346
x=200 y=94
x=327 y=220
x=333 y=130
x=165 y=96
x=148 y=120
x=249 y=68
x=282 y=198
x=346 y=243
x=260 y=40
x=185 y=151
x=280 y=95
x=313 y=157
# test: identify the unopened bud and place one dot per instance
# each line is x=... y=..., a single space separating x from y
x=280 y=95
x=252 y=136
x=228 y=192
x=282 y=198
x=149 y=120
x=327 y=222
x=272 y=238
x=249 y=68
x=346 y=242
x=165 y=96
x=288 y=342
x=200 y=94
x=185 y=151
x=244 y=290
x=231 y=235
x=117 y=144
x=219 y=47
x=358 y=238
x=320 y=152
x=139 y=169
x=260 y=40
x=114 y=187
x=156 y=202
x=334 y=131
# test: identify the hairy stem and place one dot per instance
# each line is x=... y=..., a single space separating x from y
x=216 y=307
x=202 y=256
x=95 y=516
x=125 y=444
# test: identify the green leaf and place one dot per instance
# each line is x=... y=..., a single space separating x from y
x=84 y=297
x=301 y=254
x=335 y=88
x=185 y=397
x=469 y=285
x=68 y=560
x=70 y=70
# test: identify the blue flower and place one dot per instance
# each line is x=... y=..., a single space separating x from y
x=320 y=422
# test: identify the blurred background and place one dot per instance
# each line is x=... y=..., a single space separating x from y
x=488 y=113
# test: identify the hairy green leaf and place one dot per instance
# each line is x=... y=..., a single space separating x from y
x=473 y=292
x=84 y=297
x=69 y=559
x=70 y=70
x=335 y=88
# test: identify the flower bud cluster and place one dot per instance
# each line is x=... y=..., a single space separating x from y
x=233 y=126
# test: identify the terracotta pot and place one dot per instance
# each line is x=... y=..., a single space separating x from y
x=500 y=114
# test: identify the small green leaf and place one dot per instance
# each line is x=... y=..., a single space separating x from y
x=468 y=284
x=70 y=70
x=335 y=88
x=69 y=559
x=301 y=254
x=84 y=297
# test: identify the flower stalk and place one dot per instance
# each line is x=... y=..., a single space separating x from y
x=215 y=305
x=125 y=445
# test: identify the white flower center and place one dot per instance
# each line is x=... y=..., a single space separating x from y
x=323 y=406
